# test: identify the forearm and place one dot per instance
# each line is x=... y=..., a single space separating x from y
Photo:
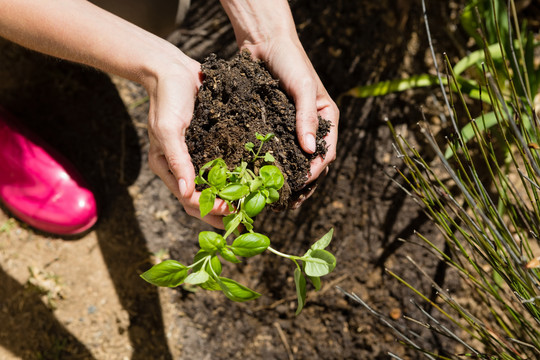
x=79 y=31
x=256 y=21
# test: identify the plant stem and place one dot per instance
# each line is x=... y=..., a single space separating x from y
x=195 y=263
x=292 y=257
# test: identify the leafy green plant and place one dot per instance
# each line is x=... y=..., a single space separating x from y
x=486 y=21
x=246 y=192
x=488 y=213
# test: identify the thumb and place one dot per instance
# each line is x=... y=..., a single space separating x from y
x=305 y=98
x=180 y=165
x=170 y=160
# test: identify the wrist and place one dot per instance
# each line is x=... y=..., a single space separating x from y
x=255 y=22
x=163 y=62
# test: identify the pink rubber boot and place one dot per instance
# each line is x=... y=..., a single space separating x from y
x=39 y=186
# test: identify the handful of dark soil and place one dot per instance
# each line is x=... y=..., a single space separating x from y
x=237 y=99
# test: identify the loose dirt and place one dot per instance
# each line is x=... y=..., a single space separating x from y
x=238 y=99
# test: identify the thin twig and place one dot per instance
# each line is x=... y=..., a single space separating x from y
x=284 y=340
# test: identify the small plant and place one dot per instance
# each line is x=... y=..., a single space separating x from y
x=246 y=193
x=486 y=209
x=500 y=48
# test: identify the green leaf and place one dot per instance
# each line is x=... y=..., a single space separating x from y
x=271 y=176
x=233 y=192
x=249 y=146
x=199 y=180
x=319 y=263
x=231 y=223
x=255 y=184
x=391 y=86
x=273 y=196
x=250 y=244
x=300 y=282
x=198 y=256
x=483 y=123
x=268 y=137
x=235 y=291
x=269 y=157
x=218 y=176
x=211 y=285
x=477 y=57
x=246 y=221
x=324 y=241
x=213 y=266
x=248 y=226
x=259 y=137
x=169 y=273
x=211 y=241
x=201 y=254
x=316 y=281
x=206 y=201
x=210 y=164
x=228 y=255
x=196 y=278
x=254 y=203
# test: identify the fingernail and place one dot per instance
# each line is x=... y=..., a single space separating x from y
x=182 y=186
x=310 y=142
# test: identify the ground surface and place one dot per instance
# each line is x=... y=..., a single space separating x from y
x=82 y=298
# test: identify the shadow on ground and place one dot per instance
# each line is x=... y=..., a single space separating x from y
x=79 y=112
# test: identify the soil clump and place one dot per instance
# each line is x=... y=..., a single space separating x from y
x=239 y=98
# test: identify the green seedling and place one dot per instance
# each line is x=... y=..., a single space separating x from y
x=262 y=138
x=246 y=192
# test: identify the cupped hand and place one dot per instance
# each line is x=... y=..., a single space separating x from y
x=172 y=100
x=288 y=62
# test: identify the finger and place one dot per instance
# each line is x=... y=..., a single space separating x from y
x=169 y=118
x=303 y=197
x=214 y=220
x=215 y=217
x=300 y=81
x=317 y=167
x=220 y=208
x=176 y=154
x=305 y=96
x=181 y=183
x=160 y=166
x=320 y=163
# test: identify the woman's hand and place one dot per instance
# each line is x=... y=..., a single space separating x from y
x=172 y=100
x=267 y=29
x=289 y=63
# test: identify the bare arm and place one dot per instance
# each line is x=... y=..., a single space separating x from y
x=79 y=31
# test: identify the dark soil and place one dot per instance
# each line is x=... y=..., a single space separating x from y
x=239 y=98
x=80 y=112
